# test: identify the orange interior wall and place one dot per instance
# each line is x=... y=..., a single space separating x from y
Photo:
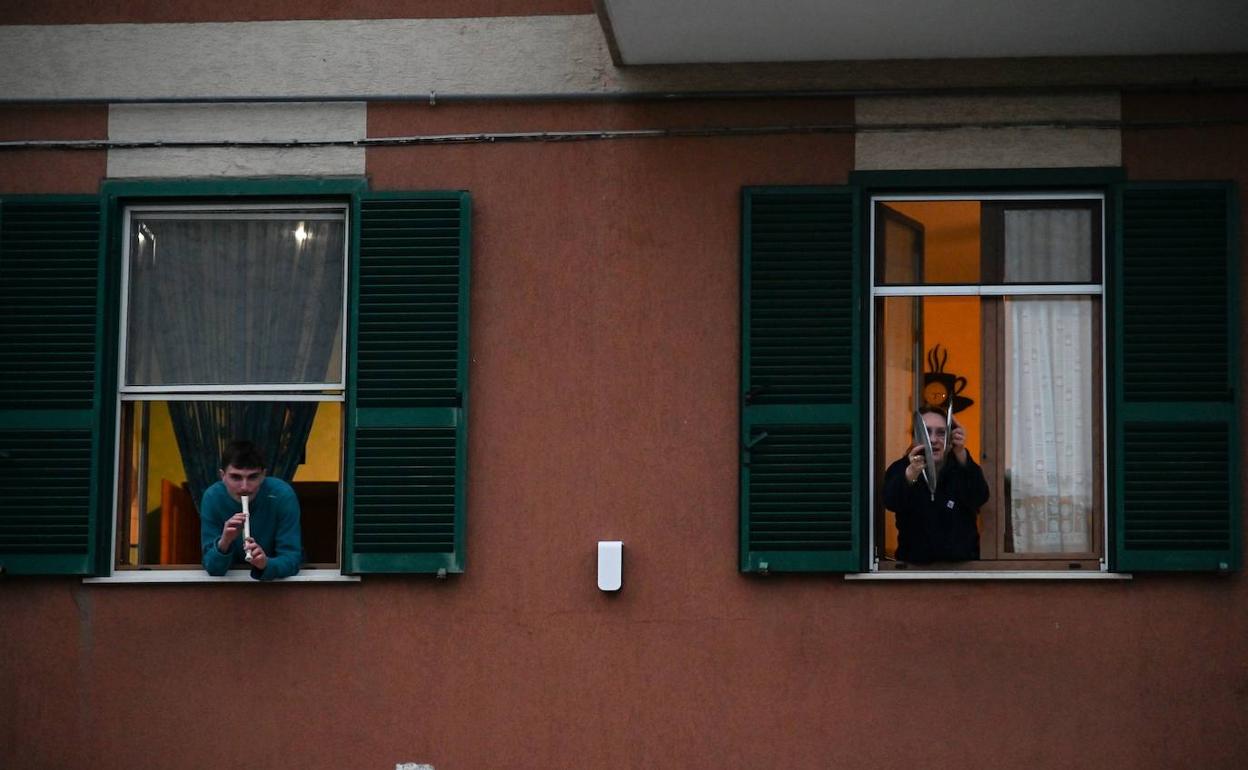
x=951 y=254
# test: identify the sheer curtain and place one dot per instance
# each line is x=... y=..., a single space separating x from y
x=234 y=300
x=1049 y=379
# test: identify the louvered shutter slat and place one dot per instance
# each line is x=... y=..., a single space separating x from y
x=1176 y=441
x=49 y=259
x=801 y=388
x=405 y=496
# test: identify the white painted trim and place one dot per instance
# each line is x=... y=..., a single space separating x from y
x=989 y=575
x=262 y=392
x=159 y=576
x=196 y=395
x=872 y=548
x=225 y=211
x=243 y=392
x=974 y=196
x=995 y=290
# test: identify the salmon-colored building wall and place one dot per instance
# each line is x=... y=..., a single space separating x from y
x=604 y=405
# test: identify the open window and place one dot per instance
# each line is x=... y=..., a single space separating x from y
x=146 y=325
x=1095 y=367
x=232 y=327
x=993 y=313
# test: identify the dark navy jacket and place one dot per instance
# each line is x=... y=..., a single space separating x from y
x=942 y=529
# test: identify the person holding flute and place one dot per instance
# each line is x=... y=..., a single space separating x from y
x=250 y=519
x=936 y=523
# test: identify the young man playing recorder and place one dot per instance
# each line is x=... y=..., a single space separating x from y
x=274 y=549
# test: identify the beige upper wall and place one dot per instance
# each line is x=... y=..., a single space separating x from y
x=520 y=55
x=953 y=136
x=303 y=58
x=248 y=122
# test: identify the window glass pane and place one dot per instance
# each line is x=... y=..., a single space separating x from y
x=929 y=242
x=929 y=353
x=1048 y=245
x=1050 y=427
x=170 y=454
x=235 y=298
x=903 y=248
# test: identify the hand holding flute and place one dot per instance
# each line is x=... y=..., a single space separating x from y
x=255 y=554
x=240 y=524
x=246 y=526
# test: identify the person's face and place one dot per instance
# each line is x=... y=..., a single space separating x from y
x=243 y=481
x=936 y=428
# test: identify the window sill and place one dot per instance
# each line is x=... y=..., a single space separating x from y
x=988 y=575
x=128 y=577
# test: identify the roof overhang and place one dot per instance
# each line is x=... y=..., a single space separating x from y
x=663 y=32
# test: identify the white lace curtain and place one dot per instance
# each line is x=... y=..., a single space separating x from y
x=1049 y=379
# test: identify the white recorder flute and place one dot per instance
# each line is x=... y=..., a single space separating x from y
x=246 y=524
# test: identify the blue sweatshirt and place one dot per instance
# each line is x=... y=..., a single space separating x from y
x=274 y=525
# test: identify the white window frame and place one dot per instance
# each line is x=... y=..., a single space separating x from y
x=995 y=290
x=341 y=212
x=319 y=392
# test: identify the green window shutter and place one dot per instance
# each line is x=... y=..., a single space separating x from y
x=1175 y=407
x=407 y=398
x=49 y=279
x=801 y=381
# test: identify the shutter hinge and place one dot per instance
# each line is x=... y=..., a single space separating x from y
x=749 y=445
x=441 y=575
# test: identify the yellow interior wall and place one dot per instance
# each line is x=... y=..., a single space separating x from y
x=951 y=254
x=164 y=461
x=324 y=449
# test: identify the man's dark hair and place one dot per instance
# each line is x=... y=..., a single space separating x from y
x=242 y=454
